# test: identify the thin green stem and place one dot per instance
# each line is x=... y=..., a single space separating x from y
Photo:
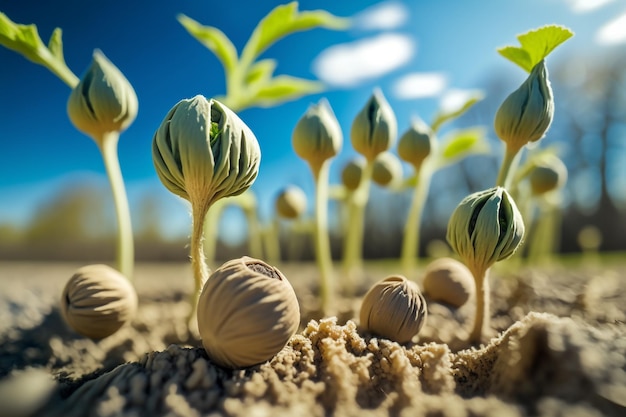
x=508 y=166
x=353 y=249
x=412 y=228
x=482 y=318
x=272 y=241
x=211 y=228
x=322 y=240
x=198 y=261
x=125 y=251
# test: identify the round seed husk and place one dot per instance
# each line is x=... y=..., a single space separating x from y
x=449 y=281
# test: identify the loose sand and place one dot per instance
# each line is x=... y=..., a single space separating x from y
x=558 y=349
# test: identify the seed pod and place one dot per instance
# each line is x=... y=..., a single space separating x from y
x=98 y=300
x=247 y=312
x=548 y=174
x=291 y=202
x=485 y=227
x=394 y=308
x=449 y=281
x=416 y=144
x=203 y=151
x=103 y=101
x=387 y=169
x=317 y=136
x=526 y=114
x=352 y=173
x=375 y=128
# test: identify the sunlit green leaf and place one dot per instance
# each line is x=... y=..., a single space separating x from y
x=536 y=45
x=55 y=44
x=445 y=115
x=284 y=20
x=23 y=39
x=214 y=39
x=462 y=143
x=260 y=71
x=284 y=88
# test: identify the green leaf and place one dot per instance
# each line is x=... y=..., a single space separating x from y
x=462 y=143
x=284 y=20
x=445 y=115
x=260 y=71
x=55 y=44
x=285 y=88
x=214 y=39
x=536 y=45
x=23 y=39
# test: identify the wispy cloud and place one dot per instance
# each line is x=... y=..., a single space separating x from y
x=349 y=64
x=613 y=32
x=383 y=16
x=584 y=6
x=420 y=85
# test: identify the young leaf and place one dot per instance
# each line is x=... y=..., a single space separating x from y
x=536 y=45
x=445 y=115
x=25 y=40
x=284 y=88
x=260 y=71
x=284 y=20
x=463 y=143
x=214 y=39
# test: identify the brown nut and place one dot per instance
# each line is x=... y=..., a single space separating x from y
x=98 y=300
x=247 y=312
x=449 y=281
x=394 y=308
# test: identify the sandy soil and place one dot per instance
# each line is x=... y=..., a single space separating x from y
x=559 y=349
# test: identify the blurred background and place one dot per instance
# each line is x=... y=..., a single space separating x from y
x=54 y=198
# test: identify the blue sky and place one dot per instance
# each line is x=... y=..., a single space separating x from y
x=420 y=53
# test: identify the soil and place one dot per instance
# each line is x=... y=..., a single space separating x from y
x=558 y=349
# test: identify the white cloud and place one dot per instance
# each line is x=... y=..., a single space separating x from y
x=420 y=85
x=455 y=98
x=383 y=16
x=612 y=32
x=584 y=6
x=349 y=64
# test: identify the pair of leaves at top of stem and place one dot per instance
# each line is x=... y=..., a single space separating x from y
x=250 y=82
x=536 y=45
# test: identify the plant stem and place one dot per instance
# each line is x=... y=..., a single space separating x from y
x=322 y=241
x=272 y=241
x=211 y=229
x=412 y=228
x=482 y=318
x=198 y=261
x=125 y=251
x=353 y=250
x=508 y=166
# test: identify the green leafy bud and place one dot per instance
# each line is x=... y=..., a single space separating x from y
x=387 y=169
x=291 y=202
x=548 y=174
x=485 y=227
x=416 y=143
x=375 y=128
x=203 y=151
x=317 y=136
x=103 y=101
x=527 y=113
x=352 y=173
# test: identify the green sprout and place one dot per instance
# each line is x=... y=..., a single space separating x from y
x=526 y=114
x=201 y=169
x=419 y=146
x=317 y=138
x=101 y=105
x=250 y=81
x=486 y=227
x=373 y=132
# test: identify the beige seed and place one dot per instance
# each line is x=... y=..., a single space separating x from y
x=394 y=308
x=449 y=281
x=247 y=312
x=98 y=300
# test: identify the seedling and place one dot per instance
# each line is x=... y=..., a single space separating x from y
x=203 y=152
x=317 y=138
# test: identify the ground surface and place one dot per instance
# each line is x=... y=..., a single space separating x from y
x=559 y=349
